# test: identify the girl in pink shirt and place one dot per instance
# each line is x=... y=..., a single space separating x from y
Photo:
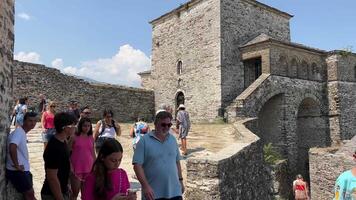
x=107 y=181
x=83 y=156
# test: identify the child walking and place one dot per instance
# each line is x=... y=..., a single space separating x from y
x=83 y=155
x=107 y=181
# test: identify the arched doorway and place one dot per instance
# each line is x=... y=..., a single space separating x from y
x=311 y=132
x=270 y=123
x=179 y=100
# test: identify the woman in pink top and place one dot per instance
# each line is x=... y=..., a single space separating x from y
x=83 y=156
x=107 y=181
x=47 y=122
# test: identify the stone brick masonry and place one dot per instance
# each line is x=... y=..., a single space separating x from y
x=6 y=58
x=127 y=103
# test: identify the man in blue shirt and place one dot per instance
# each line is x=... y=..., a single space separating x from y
x=156 y=162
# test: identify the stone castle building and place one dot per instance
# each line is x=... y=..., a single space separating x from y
x=234 y=59
x=229 y=59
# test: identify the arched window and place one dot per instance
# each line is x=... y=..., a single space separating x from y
x=283 y=66
x=314 y=70
x=179 y=67
x=293 y=72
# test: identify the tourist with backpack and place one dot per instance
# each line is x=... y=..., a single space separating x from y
x=20 y=111
x=138 y=130
x=105 y=129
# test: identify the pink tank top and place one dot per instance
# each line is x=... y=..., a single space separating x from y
x=48 y=120
x=119 y=184
x=82 y=154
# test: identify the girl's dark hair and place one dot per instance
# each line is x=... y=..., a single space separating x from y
x=23 y=100
x=80 y=126
x=108 y=111
x=102 y=181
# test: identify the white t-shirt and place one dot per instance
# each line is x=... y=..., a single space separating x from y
x=18 y=137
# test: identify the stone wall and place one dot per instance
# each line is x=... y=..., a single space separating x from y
x=190 y=34
x=236 y=172
x=342 y=95
x=326 y=165
x=127 y=103
x=6 y=59
x=241 y=21
x=347 y=95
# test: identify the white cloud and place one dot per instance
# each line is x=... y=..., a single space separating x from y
x=24 y=16
x=57 y=63
x=122 y=68
x=31 y=57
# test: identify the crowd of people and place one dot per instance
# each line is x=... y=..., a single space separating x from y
x=81 y=159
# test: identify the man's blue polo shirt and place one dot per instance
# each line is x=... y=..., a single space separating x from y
x=159 y=162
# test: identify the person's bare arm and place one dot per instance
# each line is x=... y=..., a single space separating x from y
x=54 y=184
x=13 y=155
x=43 y=120
x=118 y=129
x=132 y=132
x=96 y=130
x=180 y=175
x=147 y=190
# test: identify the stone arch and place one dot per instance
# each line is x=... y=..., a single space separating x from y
x=263 y=100
x=311 y=131
x=283 y=65
x=270 y=122
x=292 y=68
x=179 y=98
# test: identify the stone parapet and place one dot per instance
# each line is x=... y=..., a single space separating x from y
x=326 y=164
x=235 y=172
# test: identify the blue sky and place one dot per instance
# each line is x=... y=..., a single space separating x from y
x=110 y=40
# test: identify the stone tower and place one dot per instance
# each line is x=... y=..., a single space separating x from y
x=195 y=52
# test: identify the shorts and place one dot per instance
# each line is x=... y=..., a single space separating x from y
x=19 y=120
x=22 y=181
x=48 y=134
x=183 y=132
x=50 y=197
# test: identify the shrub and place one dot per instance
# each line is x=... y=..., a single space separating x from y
x=271 y=156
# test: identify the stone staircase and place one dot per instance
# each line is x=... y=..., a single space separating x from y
x=237 y=109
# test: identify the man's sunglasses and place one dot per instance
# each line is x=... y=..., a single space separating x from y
x=166 y=125
x=87 y=113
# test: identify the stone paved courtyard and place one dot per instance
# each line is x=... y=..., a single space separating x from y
x=203 y=140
